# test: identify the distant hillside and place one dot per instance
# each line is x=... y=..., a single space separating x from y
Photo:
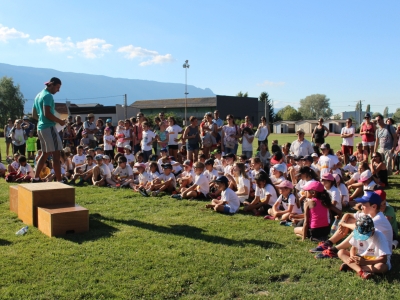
x=78 y=85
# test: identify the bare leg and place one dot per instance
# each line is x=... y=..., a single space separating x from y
x=42 y=160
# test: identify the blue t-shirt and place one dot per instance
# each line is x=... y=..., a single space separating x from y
x=44 y=98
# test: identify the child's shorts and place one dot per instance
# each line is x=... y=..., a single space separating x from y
x=227 y=209
x=321 y=232
x=200 y=195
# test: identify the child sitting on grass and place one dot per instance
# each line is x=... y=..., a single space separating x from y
x=278 y=174
x=101 y=173
x=129 y=155
x=316 y=213
x=287 y=200
x=187 y=176
x=122 y=176
x=23 y=174
x=240 y=181
x=229 y=203
x=210 y=173
x=329 y=183
x=14 y=166
x=369 y=253
x=265 y=195
x=84 y=172
x=142 y=178
x=200 y=187
x=166 y=182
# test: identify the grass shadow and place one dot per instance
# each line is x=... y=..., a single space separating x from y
x=97 y=230
x=5 y=242
x=196 y=233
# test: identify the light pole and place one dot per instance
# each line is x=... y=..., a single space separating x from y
x=186 y=66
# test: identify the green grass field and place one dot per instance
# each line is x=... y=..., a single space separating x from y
x=160 y=248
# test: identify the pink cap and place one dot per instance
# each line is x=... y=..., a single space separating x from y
x=139 y=165
x=314 y=186
x=328 y=176
x=364 y=176
x=285 y=184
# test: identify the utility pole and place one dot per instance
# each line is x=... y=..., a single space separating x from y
x=186 y=66
x=126 y=106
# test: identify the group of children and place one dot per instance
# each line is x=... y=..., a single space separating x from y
x=308 y=193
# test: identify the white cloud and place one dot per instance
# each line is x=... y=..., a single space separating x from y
x=271 y=83
x=150 y=56
x=93 y=48
x=70 y=57
x=55 y=43
x=7 y=33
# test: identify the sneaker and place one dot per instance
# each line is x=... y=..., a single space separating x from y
x=328 y=253
x=143 y=193
x=364 y=274
x=176 y=196
x=80 y=183
x=321 y=247
x=155 y=193
x=283 y=223
x=344 y=268
x=148 y=192
x=72 y=182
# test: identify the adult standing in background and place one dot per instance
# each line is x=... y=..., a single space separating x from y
x=320 y=133
x=7 y=135
x=156 y=130
x=347 y=134
x=90 y=127
x=43 y=111
x=173 y=129
x=161 y=115
x=27 y=126
x=246 y=123
x=385 y=142
x=192 y=137
x=219 y=123
x=263 y=131
x=230 y=135
x=78 y=127
x=209 y=133
x=367 y=133
x=18 y=137
x=138 y=131
x=301 y=147
x=100 y=131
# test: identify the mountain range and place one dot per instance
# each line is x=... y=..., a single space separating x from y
x=82 y=88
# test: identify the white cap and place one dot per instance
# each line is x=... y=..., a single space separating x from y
x=314 y=155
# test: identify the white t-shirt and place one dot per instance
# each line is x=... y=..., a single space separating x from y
x=143 y=178
x=264 y=192
x=168 y=177
x=373 y=247
x=335 y=196
x=327 y=162
x=147 y=136
x=105 y=171
x=356 y=176
x=173 y=134
x=78 y=159
x=175 y=168
x=111 y=167
x=2 y=167
x=242 y=183
x=130 y=158
x=86 y=167
x=277 y=180
x=350 y=140
x=232 y=200
x=370 y=186
x=382 y=224
x=15 y=165
x=62 y=171
x=344 y=192
x=350 y=168
x=227 y=169
x=290 y=201
x=108 y=139
x=211 y=175
x=152 y=176
x=202 y=184
x=263 y=133
x=123 y=173
x=246 y=146
x=26 y=170
x=189 y=174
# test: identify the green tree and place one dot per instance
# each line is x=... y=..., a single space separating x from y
x=375 y=114
x=386 y=112
x=240 y=94
x=315 y=106
x=396 y=115
x=264 y=97
x=288 y=113
x=337 y=117
x=358 y=106
x=368 y=109
x=11 y=100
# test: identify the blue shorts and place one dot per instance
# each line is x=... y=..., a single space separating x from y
x=227 y=209
x=192 y=147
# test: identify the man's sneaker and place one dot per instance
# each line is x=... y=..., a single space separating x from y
x=176 y=196
x=364 y=274
x=155 y=193
x=283 y=223
x=328 y=253
x=321 y=247
x=143 y=192
x=344 y=268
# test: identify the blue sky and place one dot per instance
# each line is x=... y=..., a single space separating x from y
x=348 y=50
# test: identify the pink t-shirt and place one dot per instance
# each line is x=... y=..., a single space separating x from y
x=319 y=215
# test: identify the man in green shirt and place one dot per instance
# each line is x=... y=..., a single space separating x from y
x=43 y=111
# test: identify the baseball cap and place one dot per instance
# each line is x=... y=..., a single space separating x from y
x=25 y=118
x=371 y=197
x=67 y=149
x=139 y=165
x=367 y=115
x=381 y=193
x=53 y=80
x=274 y=160
x=166 y=166
x=285 y=184
x=328 y=176
x=297 y=158
x=108 y=120
x=209 y=162
x=364 y=176
x=364 y=228
x=187 y=163
x=325 y=146
x=98 y=157
x=128 y=147
x=279 y=167
x=300 y=130
x=107 y=129
x=308 y=158
x=222 y=179
x=164 y=150
x=314 y=186
x=97 y=148
x=352 y=158
x=90 y=115
x=229 y=155
x=314 y=155
x=106 y=157
x=216 y=151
